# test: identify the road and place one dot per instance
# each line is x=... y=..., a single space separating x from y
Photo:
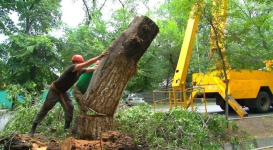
x=212 y=108
x=3 y=118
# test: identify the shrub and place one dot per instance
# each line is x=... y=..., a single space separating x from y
x=176 y=129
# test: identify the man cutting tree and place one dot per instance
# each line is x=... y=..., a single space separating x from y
x=81 y=86
x=58 y=91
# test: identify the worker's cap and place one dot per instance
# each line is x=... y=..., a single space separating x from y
x=78 y=58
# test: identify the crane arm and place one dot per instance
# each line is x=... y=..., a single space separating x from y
x=186 y=49
x=216 y=39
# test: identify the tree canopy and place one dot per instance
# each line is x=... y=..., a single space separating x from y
x=31 y=54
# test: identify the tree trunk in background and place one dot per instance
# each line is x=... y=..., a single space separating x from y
x=115 y=70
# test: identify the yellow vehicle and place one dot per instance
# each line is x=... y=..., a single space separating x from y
x=252 y=89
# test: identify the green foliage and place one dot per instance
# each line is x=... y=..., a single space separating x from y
x=85 y=41
x=164 y=51
x=31 y=59
x=29 y=53
x=6 y=23
x=249 y=34
x=149 y=73
x=175 y=129
x=14 y=91
x=134 y=118
x=28 y=20
x=247 y=40
x=150 y=70
x=25 y=111
x=51 y=126
x=3 y=73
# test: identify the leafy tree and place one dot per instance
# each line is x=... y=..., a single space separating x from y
x=7 y=25
x=31 y=59
x=95 y=34
x=90 y=38
x=3 y=70
x=247 y=38
x=253 y=35
x=249 y=34
x=30 y=52
x=172 y=24
x=92 y=10
x=146 y=77
x=82 y=41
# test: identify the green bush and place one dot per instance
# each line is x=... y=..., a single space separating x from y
x=176 y=129
x=23 y=114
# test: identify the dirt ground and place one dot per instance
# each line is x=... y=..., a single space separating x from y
x=256 y=127
x=111 y=140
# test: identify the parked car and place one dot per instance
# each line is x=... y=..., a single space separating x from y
x=134 y=99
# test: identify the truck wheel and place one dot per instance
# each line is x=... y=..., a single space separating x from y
x=263 y=102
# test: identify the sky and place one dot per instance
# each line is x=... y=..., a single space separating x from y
x=73 y=14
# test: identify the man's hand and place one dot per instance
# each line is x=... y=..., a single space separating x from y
x=103 y=54
x=89 y=61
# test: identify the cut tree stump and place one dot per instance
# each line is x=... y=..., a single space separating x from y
x=90 y=127
x=112 y=75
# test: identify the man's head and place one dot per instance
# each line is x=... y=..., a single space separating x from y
x=77 y=58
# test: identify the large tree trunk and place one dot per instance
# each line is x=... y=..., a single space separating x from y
x=116 y=69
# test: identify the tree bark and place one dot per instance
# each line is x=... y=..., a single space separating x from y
x=90 y=127
x=112 y=75
x=119 y=66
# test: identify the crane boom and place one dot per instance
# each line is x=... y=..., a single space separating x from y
x=216 y=44
x=216 y=39
x=186 y=50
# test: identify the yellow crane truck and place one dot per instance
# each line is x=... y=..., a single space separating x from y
x=252 y=89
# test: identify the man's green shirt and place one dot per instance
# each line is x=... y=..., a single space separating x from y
x=84 y=80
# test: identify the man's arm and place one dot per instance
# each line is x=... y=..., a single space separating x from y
x=89 y=62
x=90 y=69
